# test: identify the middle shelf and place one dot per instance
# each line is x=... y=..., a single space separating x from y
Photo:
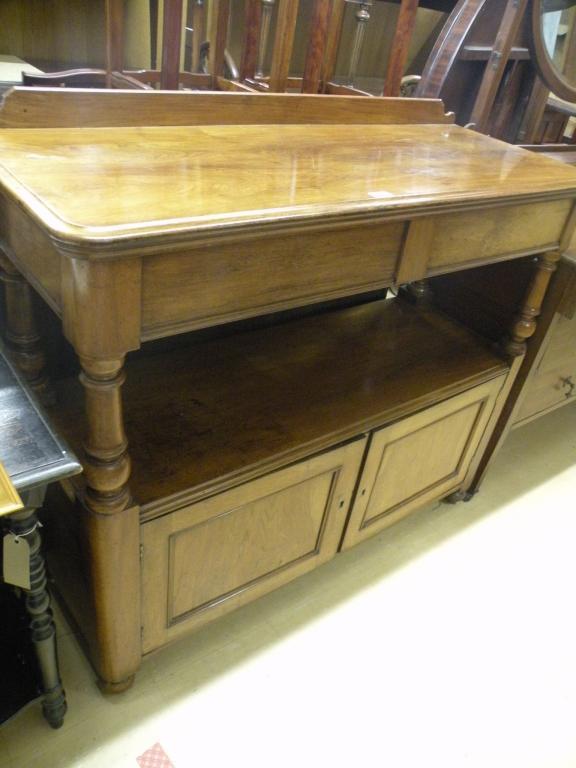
x=215 y=412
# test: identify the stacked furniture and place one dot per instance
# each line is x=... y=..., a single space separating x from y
x=272 y=39
x=249 y=403
x=495 y=65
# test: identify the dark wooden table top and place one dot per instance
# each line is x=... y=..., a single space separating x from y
x=30 y=450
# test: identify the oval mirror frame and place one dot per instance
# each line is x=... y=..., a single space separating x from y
x=553 y=79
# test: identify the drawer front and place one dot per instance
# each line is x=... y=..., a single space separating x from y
x=554 y=380
x=418 y=460
x=214 y=285
x=478 y=236
x=211 y=557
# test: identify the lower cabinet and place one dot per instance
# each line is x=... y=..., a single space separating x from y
x=419 y=459
x=212 y=556
x=202 y=561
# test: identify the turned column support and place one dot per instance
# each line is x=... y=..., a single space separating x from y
x=102 y=316
x=514 y=345
x=106 y=459
x=23 y=338
x=524 y=323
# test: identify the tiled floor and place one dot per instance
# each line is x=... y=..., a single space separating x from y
x=448 y=641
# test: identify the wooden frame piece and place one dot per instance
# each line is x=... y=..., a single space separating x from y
x=67 y=107
x=399 y=53
x=10 y=501
x=447 y=47
x=553 y=79
x=495 y=65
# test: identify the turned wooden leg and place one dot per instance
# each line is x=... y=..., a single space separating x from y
x=101 y=317
x=22 y=336
x=25 y=525
x=515 y=347
x=525 y=322
x=113 y=526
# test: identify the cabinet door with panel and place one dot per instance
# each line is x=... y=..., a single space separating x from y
x=217 y=554
x=419 y=459
x=554 y=380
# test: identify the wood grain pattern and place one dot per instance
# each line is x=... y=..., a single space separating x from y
x=518 y=230
x=413 y=261
x=307 y=174
x=418 y=460
x=255 y=537
x=333 y=40
x=69 y=108
x=286 y=17
x=101 y=317
x=31 y=251
x=171 y=37
x=399 y=54
x=114 y=562
x=209 y=286
x=316 y=46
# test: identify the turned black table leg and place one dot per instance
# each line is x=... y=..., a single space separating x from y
x=43 y=630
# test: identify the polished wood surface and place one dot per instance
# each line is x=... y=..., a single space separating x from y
x=181 y=294
x=427 y=455
x=305 y=173
x=256 y=537
x=172 y=212
x=81 y=108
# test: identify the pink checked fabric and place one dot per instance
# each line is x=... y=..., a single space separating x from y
x=155 y=757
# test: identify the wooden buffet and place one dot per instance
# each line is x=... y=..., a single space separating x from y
x=299 y=411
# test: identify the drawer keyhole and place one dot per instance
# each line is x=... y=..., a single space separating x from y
x=570 y=386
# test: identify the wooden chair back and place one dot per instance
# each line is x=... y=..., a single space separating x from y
x=481 y=67
x=322 y=49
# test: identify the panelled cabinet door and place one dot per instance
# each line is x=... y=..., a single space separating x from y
x=419 y=459
x=204 y=560
x=554 y=380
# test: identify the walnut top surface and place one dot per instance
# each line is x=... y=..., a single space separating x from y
x=108 y=184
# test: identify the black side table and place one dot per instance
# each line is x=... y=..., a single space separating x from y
x=33 y=457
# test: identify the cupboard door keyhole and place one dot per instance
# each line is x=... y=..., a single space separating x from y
x=569 y=384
